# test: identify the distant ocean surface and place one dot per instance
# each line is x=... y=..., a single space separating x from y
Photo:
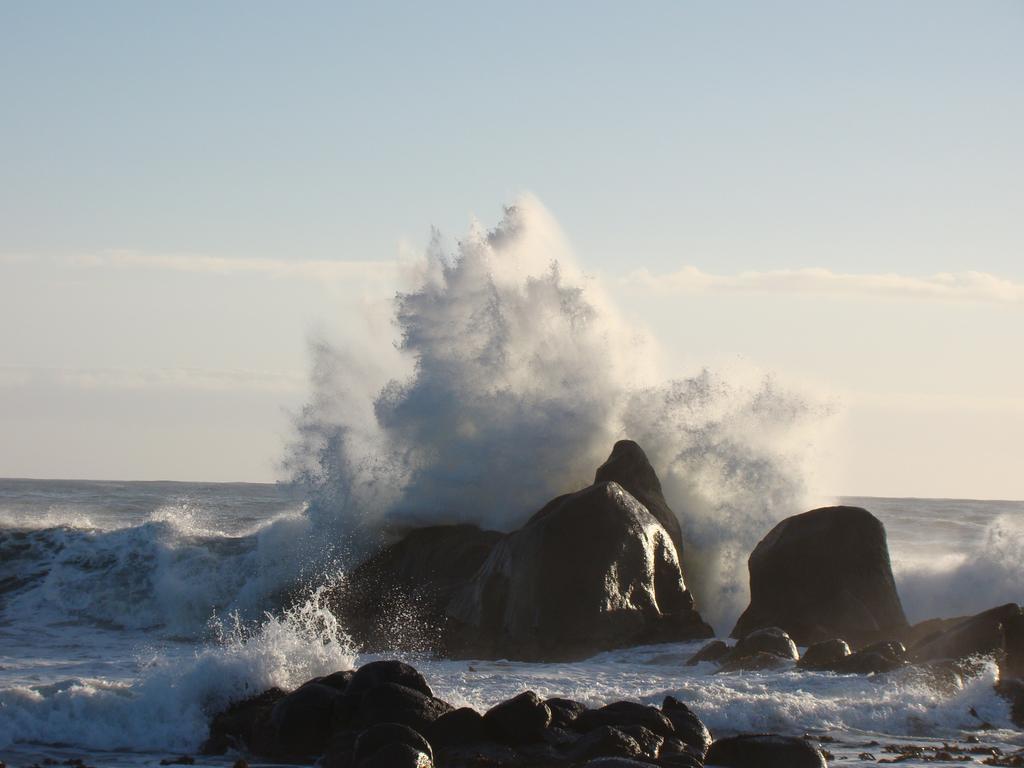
x=129 y=612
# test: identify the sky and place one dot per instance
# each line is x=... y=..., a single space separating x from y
x=830 y=192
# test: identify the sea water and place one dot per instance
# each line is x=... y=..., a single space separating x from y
x=130 y=612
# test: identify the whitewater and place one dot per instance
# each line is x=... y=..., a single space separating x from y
x=131 y=612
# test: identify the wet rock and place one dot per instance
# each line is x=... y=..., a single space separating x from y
x=606 y=741
x=392 y=703
x=233 y=728
x=455 y=728
x=879 y=657
x=414 y=579
x=375 y=738
x=628 y=466
x=650 y=742
x=713 y=651
x=978 y=634
x=764 y=751
x=824 y=573
x=519 y=720
x=301 y=721
x=389 y=671
x=1011 y=666
x=616 y=762
x=770 y=640
x=824 y=654
x=688 y=727
x=338 y=680
x=564 y=711
x=591 y=571
x=621 y=713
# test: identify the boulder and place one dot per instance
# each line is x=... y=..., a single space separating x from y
x=606 y=741
x=771 y=640
x=387 y=671
x=591 y=571
x=822 y=574
x=456 y=728
x=764 y=751
x=621 y=713
x=413 y=578
x=396 y=755
x=393 y=703
x=878 y=657
x=825 y=654
x=372 y=741
x=968 y=636
x=1011 y=666
x=628 y=466
x=713 y=651
x=301 y=721
x=687 y=726
x=521 y=719
x=564 y=712
x=234 y=727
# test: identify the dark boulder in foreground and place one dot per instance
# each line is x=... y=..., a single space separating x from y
x=628 y=466
x=374 y=719
x=591 y=571
x=764 y=751
x=823 y=574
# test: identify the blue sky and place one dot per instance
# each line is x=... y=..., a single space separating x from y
x=857 y=138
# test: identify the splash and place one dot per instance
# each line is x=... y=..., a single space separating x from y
x=523 y=374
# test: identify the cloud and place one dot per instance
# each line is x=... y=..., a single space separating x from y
x=958 y=286
x=308 y=269
x=124 y=379
x=313 y=269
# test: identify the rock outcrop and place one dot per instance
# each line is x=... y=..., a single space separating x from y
x=628 y=466
x=966 y=636
x=591 y=571
x=385 y=716
x=824 y=574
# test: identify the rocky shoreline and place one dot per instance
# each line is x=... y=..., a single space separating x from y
x=592 y=571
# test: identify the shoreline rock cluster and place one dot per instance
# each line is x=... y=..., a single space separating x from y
x=385 y=715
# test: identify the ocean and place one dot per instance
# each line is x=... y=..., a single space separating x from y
x=130 y=611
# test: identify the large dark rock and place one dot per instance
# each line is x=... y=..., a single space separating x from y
x=969 y=636
x=378 y=741
x=877 y=657
x=519 y=720
x=713 y=651
x=688 y=727
x=301 y=721
x=591 y=571
x=564 y=711
x=387 y=671
x=396 y=599
x=456 y=728
x=606 y=741
x=234 y=728
x=823 y=574
x=628 y=466
x=771 y=640
x=824 y=654
x=622 y=713
x=392 y=703
x=764 y=751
